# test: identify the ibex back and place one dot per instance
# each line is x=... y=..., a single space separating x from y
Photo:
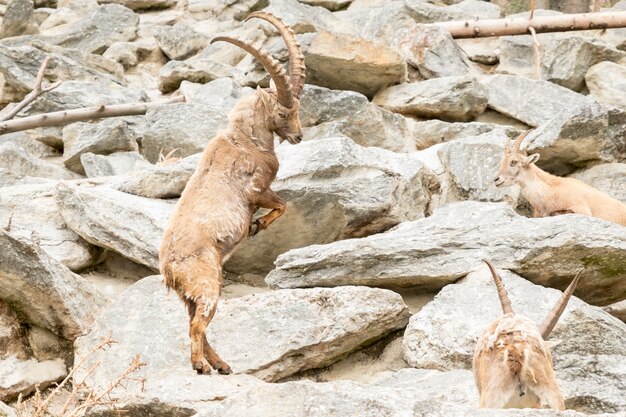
x=215 y=211
x=512 y=360
x=550 y=195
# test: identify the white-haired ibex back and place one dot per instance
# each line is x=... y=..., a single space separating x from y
x=512 y=360
x=550 y=195
x=215 y=211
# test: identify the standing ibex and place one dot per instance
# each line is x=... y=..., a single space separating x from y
x=551 y=195
x=512 y=361
x=214 y=213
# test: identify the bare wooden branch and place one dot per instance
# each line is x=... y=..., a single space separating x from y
x=37 y=91
x=542 y=24
x=537 y=47
x=86 y=113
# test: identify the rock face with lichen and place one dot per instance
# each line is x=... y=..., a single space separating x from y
x=368 y=295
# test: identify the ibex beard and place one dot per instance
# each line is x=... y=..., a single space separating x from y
x=215 y=211
x=512 y=360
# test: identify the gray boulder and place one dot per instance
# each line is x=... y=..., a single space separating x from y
x=129 y=225
x=578 y=135
x=428 y=133
x=606 y=82
x=331 y=5
x=18 y=19
x=99 y=29
x=108 y=165
x=13 y=341
x=438 y=250
x=224 y=93
x=301 y=17
x=172 y=74
x=159 y=181
x=345 y=190
x=533 y=102
x=471 y=164
x=566 y=59
x=343 y=62
x=270 y=335
x=19 y=163
x=185 y=126
x=105 y=137
x=332 y=113
x=425 y=12
x=77 y=94
x=463 y=310
x=21 y=377
x=43 y=291
x=433 y=52
x=142 y=4
x=447 y=98
x=30 y=213
x=617 y=309
x=606 y=177
x=180 y=41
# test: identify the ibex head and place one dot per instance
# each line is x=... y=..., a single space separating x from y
x=514 y=162
x=282 y=101
x=552 y=318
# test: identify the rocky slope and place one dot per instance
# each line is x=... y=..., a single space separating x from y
x=367 y=297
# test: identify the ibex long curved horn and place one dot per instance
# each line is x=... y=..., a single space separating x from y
x=272 y=66
x=555 y=314
x=502 y=294
x=296 y=57
x=519 y=140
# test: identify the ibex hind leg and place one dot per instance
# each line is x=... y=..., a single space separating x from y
x=196 y=334
x=213 y=358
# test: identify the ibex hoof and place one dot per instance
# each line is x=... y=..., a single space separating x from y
x=201 y=368
x=256 y=227
x=223 y=369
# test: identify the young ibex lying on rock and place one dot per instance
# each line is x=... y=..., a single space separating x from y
x=512 y=360
x=551 y=195
x=214 y=213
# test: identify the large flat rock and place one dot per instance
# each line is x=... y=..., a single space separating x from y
x=335 y=190
x=30 y=212
x=270 y=335
x=127 y=224
x=43 y=291
x=590 y=367
x=344 y=62
x=442 y=248
x=458 y=98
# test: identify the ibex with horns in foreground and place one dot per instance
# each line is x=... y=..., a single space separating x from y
x=215 y=211
x=512 y=361
x=550 y=195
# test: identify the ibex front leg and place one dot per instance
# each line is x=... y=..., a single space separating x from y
x=269 y=200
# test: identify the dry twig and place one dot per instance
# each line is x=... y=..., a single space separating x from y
x=37 y=91
x=542 y=24
x=86 y=113
x=74 y=406
x=537 y=47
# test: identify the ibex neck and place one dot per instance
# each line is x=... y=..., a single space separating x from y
x=250 y=124
x=536 y=185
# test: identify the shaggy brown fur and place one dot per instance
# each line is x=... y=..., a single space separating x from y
x=215 y=211
x=550 y=195
x=512 y=361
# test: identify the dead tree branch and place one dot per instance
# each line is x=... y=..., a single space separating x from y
x=77 y=115
x=37 y=91
x=542 y=24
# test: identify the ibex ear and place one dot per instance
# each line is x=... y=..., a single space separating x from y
x=266 y=99
x=531 y=159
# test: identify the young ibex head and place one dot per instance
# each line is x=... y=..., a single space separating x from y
x=282 y=102
x=512 y=360
x=514 y=162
